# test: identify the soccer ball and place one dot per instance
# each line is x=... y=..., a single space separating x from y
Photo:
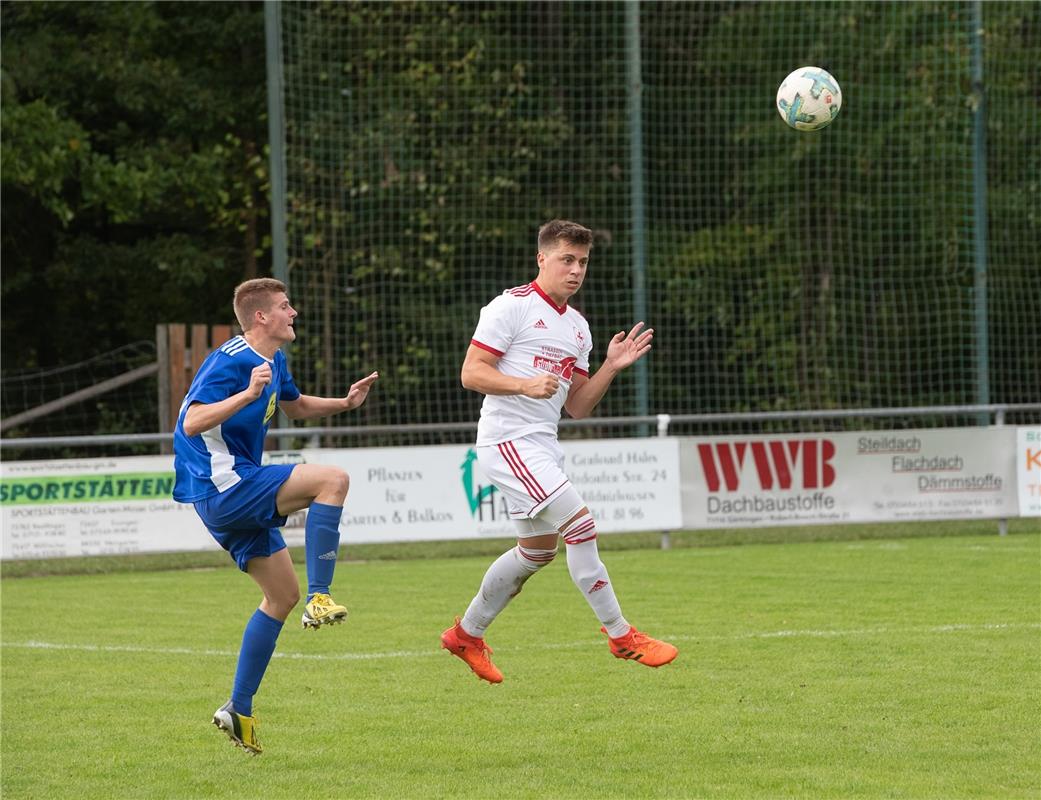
x=808 y=99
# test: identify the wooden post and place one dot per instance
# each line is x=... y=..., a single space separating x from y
x=162 y=351
x=178 y=364
x=178 y=384
x=219 y=334
x=200 y=349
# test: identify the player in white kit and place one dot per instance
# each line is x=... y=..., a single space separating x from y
x=530 y=357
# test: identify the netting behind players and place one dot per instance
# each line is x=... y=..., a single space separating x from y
x=426 y=142
x=125 y=408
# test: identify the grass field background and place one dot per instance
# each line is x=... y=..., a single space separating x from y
x=878 y=668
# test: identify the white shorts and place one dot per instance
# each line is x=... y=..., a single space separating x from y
x=529 y=471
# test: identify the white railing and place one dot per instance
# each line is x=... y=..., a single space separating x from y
x=661 y=424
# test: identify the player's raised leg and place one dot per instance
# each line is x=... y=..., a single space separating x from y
x=590 y=576
x=322 y=490
x=277 y=579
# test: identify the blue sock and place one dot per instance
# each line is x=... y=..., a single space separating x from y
x=321 y=545
x=258 y=643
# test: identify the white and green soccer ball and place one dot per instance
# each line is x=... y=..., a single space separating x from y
x=809 y=98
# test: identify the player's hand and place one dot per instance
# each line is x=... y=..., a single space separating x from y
x=625 y=349
x=360 y=390
x=258 y=379
x=541 y=387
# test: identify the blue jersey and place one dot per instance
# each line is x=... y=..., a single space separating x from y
x=217 y=459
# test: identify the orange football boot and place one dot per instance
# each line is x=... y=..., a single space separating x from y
x=472 y=650
x=636 y=646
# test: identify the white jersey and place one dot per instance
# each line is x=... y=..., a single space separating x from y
x=531 y=335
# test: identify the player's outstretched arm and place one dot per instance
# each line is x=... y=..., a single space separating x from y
x=480 y=374
x=309 y=407
x=623 y=351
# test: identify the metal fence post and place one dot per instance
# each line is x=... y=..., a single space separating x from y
x=979 y=212
x=634 y=95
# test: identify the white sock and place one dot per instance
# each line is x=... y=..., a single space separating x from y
x=590 y=576
x=502 y=582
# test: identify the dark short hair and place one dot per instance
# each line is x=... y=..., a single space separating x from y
x=557 y=230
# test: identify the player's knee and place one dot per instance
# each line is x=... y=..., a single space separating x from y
x=579 y=529
x=292 y=599
x=562 y=511
x=533 y=558
x=337 y=483
x=284 y=600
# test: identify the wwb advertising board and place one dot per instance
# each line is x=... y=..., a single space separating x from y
x=881 y=476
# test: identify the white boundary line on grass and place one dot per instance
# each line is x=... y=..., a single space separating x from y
x=783 y=634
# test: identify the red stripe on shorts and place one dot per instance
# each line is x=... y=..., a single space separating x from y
x=516 y=454
x=521 y=472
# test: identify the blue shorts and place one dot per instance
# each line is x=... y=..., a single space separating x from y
x=244 y=520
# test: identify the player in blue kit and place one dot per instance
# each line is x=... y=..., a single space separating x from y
x=218 y=443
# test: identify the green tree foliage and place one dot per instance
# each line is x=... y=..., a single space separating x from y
x=785 y=270
x=134 y=170
x=836 y=269
x=426 y=140
x=423 y=117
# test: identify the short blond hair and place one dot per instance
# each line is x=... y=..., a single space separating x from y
x=252 y=296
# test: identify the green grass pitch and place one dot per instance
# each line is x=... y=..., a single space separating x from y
x=897 y=669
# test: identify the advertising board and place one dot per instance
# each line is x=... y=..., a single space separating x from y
x=828 y=478
x=109 y=506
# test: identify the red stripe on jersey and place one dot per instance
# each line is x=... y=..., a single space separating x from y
x=518 y=469
x=490 y=349
x=559 y=309
x=520 y=291
x=582 y=372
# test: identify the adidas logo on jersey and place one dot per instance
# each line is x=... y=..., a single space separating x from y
x=330 y=556
x=541 y=324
